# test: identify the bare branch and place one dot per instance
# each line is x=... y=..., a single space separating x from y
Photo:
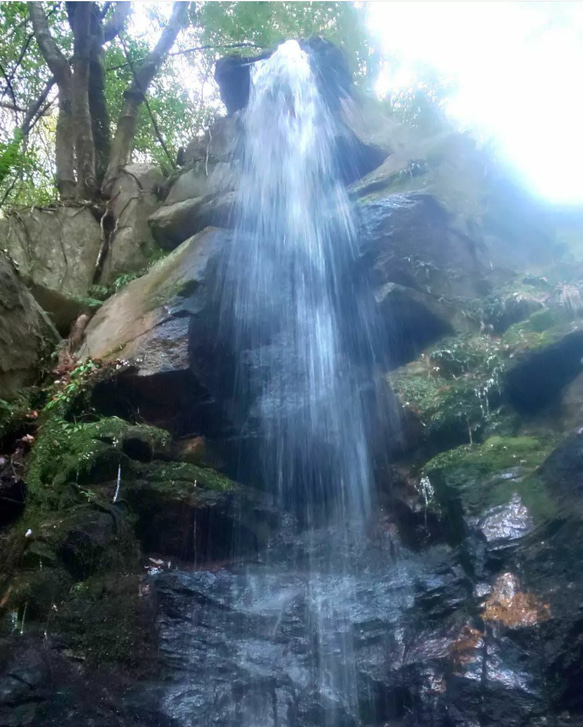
x=34 y=110
x=115 y=24
x=9 y=87
x=198 y=48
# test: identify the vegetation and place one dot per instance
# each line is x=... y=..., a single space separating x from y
x=86 y=86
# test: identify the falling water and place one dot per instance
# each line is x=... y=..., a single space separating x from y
x=295 y=246
x=274 y=643
x=294 y=249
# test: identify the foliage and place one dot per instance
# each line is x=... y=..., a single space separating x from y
x=180 y=109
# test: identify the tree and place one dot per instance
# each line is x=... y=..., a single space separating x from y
x=82 y=148
x=84 y=89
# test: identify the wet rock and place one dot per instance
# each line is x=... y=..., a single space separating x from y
x=56 y=251
x=551 y=360
x=561 y=472
x=195 y=514
x=135 y=196
x=26 y=334
x=42 y=683
x=411 y=319
x=148 y=324
x=411 y=240
x=506 y=523
x=470 y=480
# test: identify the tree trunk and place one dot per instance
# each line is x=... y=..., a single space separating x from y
x=80 y=13
x=134 y=96
x=56 y=61
x=97 y=102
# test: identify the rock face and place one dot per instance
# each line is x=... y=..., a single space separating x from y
x=56 y=251
x=26 y=334
x=135 y=196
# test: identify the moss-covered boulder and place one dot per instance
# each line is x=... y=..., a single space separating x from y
x=470 y=480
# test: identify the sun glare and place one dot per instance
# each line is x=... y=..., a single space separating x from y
x=517 y=70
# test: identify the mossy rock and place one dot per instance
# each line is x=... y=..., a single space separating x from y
x=82 y=452
x=105 y=621
x=454 y=390
x=471 y=479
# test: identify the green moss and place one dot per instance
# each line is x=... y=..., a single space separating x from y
x=67 y=452
x=454 y=388
x=543 y=328
x=179 y=478
x=482 y=476
x=105 y=622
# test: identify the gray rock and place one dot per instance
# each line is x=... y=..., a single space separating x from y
x=134 y=198
x=412 y=240
x=147 y=322
x=202 y=180
x=26 y=333
x=56 y=251
x=218 y=144
x=172 y=224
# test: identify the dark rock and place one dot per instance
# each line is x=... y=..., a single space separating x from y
x=195 y=514
x=413 y=241
x=538 y=375
x=411 y=320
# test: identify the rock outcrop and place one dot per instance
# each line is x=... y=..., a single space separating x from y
x=135 y=195
x=56 y=251
x=27 y=336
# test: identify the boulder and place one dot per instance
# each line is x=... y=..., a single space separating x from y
x=411 y=320
x=56 y=251
x=551 y=359
x=135 y=196
x=26 y=334
x=149 y=324
x=174 y=223
x=412 y=240
x=218 y=144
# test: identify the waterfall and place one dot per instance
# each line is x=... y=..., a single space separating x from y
x=289 y=296
x=289 y=303
x=273 y=643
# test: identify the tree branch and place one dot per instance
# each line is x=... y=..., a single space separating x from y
x=55 y=60
x=149 y=109
x=115 y=24
x=34 y=110
x=9 y=86
x=194 y=50
x=136 y=93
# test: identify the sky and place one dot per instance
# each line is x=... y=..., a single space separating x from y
x=518 y=72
